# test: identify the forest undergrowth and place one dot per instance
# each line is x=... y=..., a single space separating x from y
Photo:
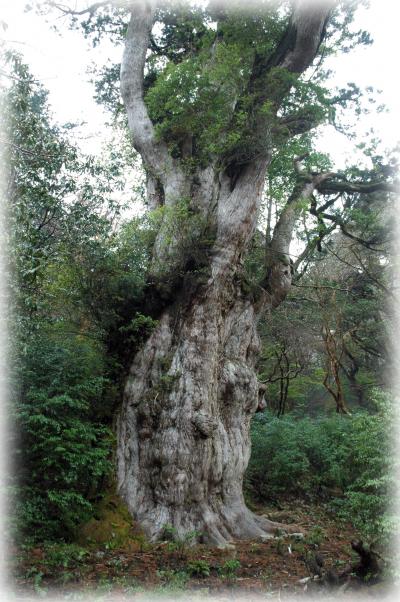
x=327 y=482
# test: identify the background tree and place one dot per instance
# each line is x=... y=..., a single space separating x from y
x=339 y=312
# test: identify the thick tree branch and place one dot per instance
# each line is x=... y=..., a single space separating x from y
x=296 y=123
x=313 y=244
x=283 y=232
x=309 y=21
x=329 y=186
x=154 y=152
x=132 y=69
x=90 y=9
x=300 y=42
x=279 y=270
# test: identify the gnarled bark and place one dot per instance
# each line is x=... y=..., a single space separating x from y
x=192 y=390
x=183 y=429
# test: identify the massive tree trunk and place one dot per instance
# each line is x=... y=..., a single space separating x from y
x=192 y=390
x=183 y=430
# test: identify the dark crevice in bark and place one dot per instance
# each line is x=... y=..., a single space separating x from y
x=234 y=171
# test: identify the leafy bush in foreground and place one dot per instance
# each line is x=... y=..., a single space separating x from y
x=62 y=454
x=349 y=457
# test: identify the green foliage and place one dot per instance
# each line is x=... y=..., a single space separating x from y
x=198 y=568
x=65 y=561
x=230 y=568
x=37 y=155
x=205 y=76
x=62 y=454
x=198 y=92
x=75 y=284
x=345 y=290
x=173 y=580
x=314 y=537
x=139 y=325
x=370 y=494
x=65 y=555
x=106 y=276
x=352 y=456
x=107 y=92
x=180 y=542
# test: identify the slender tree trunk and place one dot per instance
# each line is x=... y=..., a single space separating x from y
x=351 y=373
x=334 y=352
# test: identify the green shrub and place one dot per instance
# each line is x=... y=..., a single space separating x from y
x=198 y=568
x=229 y=568
x=172 y=580
x=179 y=542
x=62 y=454
x=371 y=490
x=350 y=458
x=274 y=467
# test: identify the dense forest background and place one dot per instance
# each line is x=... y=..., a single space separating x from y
x=77 y=284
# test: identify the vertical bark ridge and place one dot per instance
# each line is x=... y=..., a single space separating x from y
x=184 y=425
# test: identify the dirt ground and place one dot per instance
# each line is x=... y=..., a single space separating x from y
x=301 y=566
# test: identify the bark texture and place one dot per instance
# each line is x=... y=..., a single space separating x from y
x=192 y=390
x=183 y=430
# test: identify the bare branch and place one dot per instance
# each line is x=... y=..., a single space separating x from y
x=320 y=286
x=324 y=183
x=336 y=219
x=331 y=187
x=90 y=9
x=373 y=279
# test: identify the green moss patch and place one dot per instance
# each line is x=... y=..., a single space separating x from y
x=111 y=526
